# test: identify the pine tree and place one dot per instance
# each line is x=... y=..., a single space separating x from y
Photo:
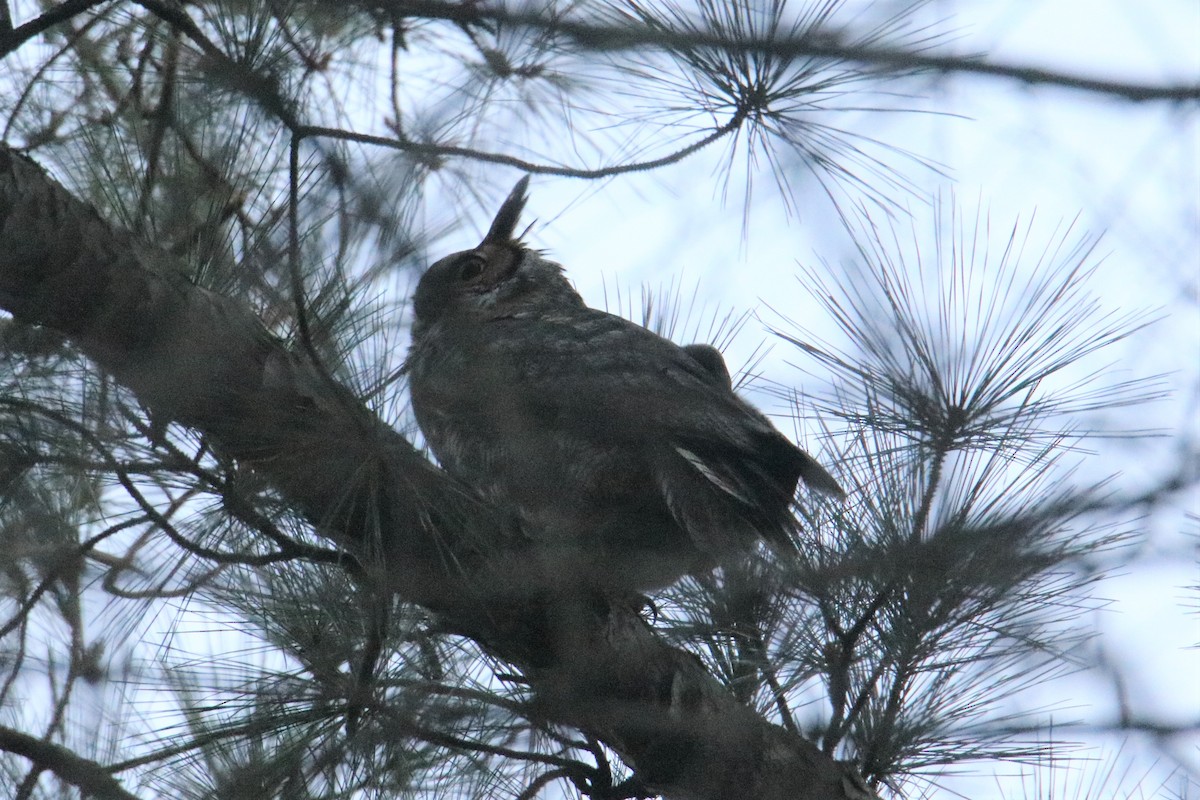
x=229 y=570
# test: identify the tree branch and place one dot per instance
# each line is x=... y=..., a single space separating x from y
x=89 y=776
x=206 y=361
x=592 y=36
x=12 y=38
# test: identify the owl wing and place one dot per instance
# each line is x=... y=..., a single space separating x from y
x=616 y=387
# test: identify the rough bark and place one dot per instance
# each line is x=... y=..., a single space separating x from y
x=206 y=361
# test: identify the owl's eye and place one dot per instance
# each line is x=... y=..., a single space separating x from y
x=471 y=268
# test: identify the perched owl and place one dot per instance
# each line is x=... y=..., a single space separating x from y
x=629 y=456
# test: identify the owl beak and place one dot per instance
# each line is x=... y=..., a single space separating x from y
x=506 y=219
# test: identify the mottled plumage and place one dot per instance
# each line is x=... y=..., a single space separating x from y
x=630 y=455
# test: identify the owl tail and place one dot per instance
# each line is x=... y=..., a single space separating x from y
x=817 y=477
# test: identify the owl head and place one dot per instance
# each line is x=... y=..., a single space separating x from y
x=500 y=276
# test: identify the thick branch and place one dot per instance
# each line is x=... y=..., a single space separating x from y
x=206 y=361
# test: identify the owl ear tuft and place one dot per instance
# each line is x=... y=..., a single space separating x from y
x=506 y=219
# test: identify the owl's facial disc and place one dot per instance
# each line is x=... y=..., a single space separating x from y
x=500 y=276
x=478 y=278
x=466 y=279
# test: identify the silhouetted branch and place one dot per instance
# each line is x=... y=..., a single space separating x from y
x=593 y=36
x=12 y=38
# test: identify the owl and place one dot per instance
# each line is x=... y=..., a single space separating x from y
x=627 y=457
